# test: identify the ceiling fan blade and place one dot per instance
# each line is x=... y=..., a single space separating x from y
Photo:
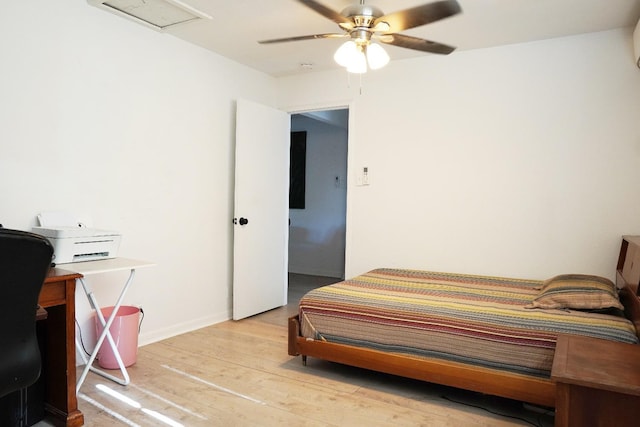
x=415 y=43
x=420 y=15
x=327 y=12
x=310 y=37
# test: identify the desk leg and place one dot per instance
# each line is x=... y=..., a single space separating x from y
x=59 y=364
x=106 y=334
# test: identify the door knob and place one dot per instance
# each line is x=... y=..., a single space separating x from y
x=244 y=221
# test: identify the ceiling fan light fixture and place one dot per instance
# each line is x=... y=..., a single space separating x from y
x=355 y=57
x=352 y=56
x=345 y=53
x=358 y=63
x=377 y=57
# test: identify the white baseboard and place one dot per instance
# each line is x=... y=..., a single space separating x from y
x=182 y=328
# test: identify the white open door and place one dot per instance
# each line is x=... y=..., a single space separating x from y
x=261 y=211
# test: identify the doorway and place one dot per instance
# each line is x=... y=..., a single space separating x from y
x=317 y=232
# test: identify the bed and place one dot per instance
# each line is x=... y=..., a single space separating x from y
x=493 y=335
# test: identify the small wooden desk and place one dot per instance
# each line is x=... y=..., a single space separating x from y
x=59 y=363
x=597 y=382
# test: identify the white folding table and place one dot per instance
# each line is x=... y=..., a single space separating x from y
x=88 y=268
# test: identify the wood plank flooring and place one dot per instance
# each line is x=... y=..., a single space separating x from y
x=238 y=373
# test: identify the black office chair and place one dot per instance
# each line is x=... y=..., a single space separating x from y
x=25 y=259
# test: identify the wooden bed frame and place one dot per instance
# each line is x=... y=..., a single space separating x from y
x=539 y=391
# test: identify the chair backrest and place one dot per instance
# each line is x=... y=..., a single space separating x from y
x=25 y=259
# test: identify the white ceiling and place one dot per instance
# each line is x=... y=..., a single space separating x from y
x=237 y=25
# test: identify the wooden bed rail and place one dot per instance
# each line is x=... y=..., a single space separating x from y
x=539 y=391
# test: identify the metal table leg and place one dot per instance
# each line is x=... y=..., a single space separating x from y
x=106 y=334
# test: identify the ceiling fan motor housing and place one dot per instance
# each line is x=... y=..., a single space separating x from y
x=363 y=18
x=362 y=15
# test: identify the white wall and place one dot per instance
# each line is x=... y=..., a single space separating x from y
x=317 y=232
x=521 y=160
x=131 y=130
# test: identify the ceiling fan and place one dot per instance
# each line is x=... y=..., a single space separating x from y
x=363 y=25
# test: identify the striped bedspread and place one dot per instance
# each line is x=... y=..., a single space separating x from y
x=471 y=319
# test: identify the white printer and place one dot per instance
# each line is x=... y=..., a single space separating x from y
x=73 y=242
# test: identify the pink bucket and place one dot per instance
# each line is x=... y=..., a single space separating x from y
x=124 y=331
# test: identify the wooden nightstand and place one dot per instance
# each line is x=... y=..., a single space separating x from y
x=597 y=382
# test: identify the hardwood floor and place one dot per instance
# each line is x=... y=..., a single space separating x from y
x=239 y=374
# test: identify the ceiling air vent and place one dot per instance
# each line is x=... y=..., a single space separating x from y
x=157 y=14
